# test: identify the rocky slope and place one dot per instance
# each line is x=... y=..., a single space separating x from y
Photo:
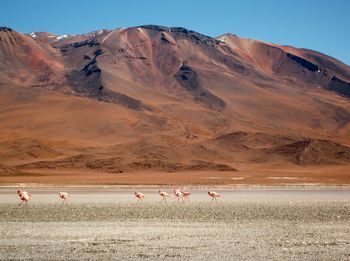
x=154 y=97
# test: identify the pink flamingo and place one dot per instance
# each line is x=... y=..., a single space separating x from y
x=213 y=195
x=178 y=194
x=24 y=196
x=186 y=195
x=164 y=195
x=21 y=193
x=140 y=196
x=64 y=196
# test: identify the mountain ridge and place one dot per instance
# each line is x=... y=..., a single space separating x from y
x=169 y=99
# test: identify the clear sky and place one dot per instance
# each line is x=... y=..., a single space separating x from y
x=321 y=25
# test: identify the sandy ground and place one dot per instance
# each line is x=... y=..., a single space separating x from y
x=247 y=174
x=106 y=223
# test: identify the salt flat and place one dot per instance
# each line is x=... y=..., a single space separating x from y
x=107 y=223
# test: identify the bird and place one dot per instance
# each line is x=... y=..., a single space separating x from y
x=64 y=196
x=178 y=194
x=21 y=193
x=213 y=195
x=140 y=196
x=186 y=195
x=24 y=196
x=164 y=195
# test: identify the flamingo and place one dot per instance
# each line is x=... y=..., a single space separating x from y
x=178 y=194
x=164 y=195
x=213 y=195
x=140 y=196
x=21 y=193
x=186 y=195
x=24 y=196
x=64 y=196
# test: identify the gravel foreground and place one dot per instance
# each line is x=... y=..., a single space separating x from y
x=263 y=229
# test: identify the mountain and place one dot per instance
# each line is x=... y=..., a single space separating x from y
x=168 y=99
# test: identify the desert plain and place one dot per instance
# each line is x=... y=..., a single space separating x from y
x=106 y=223
x=103 y=114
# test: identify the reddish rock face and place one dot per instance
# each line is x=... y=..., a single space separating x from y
x=171 y=99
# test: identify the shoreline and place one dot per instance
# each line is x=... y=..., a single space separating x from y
x=187 y=186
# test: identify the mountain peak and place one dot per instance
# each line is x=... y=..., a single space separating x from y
x=6 y=29
x=159 y=97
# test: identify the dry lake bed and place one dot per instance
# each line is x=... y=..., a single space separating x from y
x=106 y=223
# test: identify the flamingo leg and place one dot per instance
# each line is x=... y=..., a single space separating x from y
x=20 y=203
x=216 y=200
x=211 y=202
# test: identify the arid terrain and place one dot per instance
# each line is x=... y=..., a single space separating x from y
x=103 y=114
x=248 y=175
x=106 y=223
x=160 y=105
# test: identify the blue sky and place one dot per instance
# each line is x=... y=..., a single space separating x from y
x=319 y=25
